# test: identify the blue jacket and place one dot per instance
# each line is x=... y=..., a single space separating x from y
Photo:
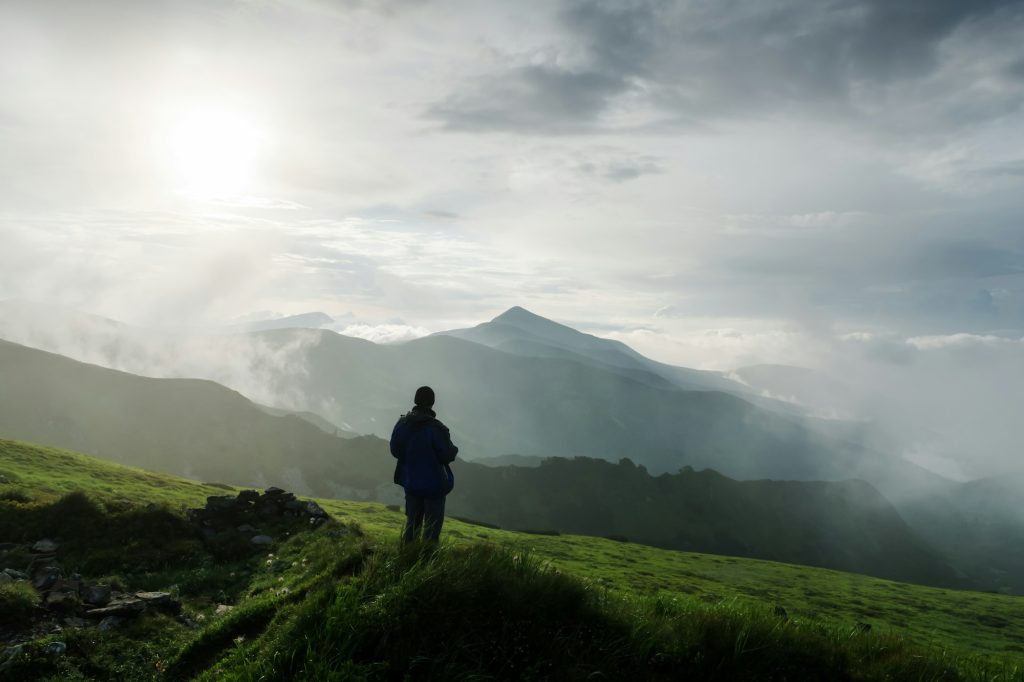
x=424 y=449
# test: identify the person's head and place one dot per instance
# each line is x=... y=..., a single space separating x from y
x=424 y=397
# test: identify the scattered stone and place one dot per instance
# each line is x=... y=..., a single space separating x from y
x=125 y=606
x=247 y=496
x=17 y=575
x=220 y=502
x=45 y=547
x=56 y=648
x=62 y=601
x=75 y=622
x=46 y=578
x=97 y=595
x=154 y=598
x=781 y=612
x=5 y=578
x=111 y=623
x=11 y=653
x=225 y=515
x=223 y=609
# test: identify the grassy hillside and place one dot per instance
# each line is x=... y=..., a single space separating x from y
x=192 y=427
x=336 y=604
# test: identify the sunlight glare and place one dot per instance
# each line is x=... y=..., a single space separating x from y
x=213 y=151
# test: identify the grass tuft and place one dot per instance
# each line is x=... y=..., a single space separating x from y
x=17 y=602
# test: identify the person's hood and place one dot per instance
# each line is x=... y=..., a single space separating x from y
x=420 y=415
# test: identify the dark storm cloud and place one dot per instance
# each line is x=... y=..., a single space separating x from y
x=698 y=60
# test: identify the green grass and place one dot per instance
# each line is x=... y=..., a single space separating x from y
x=342 y=603
x=17 y=601
x=481 y=612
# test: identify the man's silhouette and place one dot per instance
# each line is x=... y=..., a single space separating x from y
x=424 y=449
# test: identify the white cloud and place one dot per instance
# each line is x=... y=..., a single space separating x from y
x=961 y=340
x=384 y=333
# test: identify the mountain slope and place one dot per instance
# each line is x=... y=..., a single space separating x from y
x=498 y=403
x=185 y=426
x=522 y=332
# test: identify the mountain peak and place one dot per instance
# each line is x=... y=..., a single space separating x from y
x=519 y=315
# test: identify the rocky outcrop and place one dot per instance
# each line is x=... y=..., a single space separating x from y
x=75 y=601
x=227 y=520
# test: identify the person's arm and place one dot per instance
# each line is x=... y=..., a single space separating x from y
x=443 y=445
x=399 y=434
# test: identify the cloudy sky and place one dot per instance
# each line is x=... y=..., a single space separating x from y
x=715 y=182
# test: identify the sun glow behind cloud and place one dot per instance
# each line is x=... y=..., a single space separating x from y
x=212 y=151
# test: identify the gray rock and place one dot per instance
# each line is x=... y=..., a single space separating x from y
x=154 y=598
x=126 y=606
x=56 y=648
x=293 y=505
x=268 y=510
x=75 y=622
x=246 y=528
x=223 y=609
x=220 y=502
x=274 y=490
x=317 y=521
x=17 y=575
x=111 y=623
x=247 y=496
x=315 y=510
x=9 y=654
x=46 y=578
x=262 y=540
x=62 y=601
x=97 y=595
x=4 y=578
x=45 y=547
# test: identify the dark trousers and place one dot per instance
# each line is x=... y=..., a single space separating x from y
x=423 y=513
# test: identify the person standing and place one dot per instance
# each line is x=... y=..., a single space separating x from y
x=424 y=450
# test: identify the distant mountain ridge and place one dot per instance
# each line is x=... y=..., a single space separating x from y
x=572 y=394
x=313 y=320
x=522 y=332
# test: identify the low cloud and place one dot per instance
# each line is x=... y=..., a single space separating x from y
x=385 y=333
